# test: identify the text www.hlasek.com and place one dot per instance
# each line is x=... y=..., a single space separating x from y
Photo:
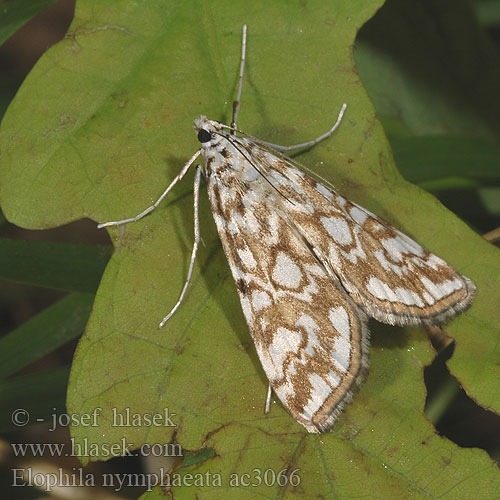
x=97 y=450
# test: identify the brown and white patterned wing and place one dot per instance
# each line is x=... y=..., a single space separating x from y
x=309 y=266
x=311 y=339
x=390 y=276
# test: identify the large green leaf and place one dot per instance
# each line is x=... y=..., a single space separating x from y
x=100 y=127
x=379 y=449
x=442 y=77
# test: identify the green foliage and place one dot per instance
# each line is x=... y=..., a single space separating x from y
x=75 y=268
x=15 y=13
x=443 y=162
x=195 y=458
x=69 y=267
x=102 y=124
x=55 y=326
x=39 y=394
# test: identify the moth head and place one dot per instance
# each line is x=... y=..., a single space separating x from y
x=208 y=131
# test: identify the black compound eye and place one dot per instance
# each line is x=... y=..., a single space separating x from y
x=204 y=136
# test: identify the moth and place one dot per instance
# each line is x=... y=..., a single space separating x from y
x=310 y=267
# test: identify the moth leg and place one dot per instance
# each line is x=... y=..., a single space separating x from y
x=177 y=178
x=196 y=197
x=268 y=399
x=237 y=102
x=314 y=141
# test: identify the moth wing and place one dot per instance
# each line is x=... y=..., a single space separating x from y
x=390 y=276
x=312 y=340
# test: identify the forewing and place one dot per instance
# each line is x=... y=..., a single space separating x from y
x=390 y=276
x=310 y=337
